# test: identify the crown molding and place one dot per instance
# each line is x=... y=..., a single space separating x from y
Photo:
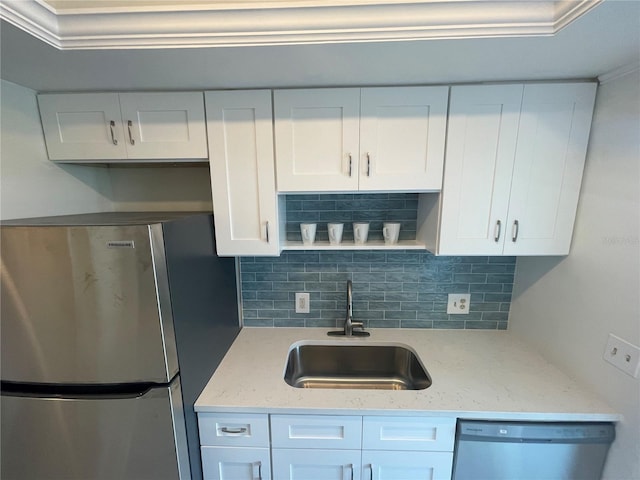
x=287 y=22
x=619 y=72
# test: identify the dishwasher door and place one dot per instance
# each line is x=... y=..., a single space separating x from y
x=531 y=450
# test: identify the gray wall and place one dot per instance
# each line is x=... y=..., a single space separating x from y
x=30 y=184
x=566 y=307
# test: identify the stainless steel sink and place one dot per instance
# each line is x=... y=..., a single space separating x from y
x=357 y=366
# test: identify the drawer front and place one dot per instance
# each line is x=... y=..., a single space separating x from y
x=316 y=431
x=233 y=430
x=228 y=463
x=409 y=433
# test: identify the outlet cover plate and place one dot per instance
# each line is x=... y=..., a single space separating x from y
x=458 y=303
x=623 y=355
x=302 y=302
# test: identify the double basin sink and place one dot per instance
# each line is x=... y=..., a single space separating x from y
x=355 y=366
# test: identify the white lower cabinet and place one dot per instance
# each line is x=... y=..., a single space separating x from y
x=234 y=446
x=325 y=447
x=394 y=465
x=233 y=463
x=328 y=447
x=315 y=464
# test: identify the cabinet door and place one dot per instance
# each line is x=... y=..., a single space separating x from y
x=402 y=138
x=552 y=144
x=85 y=126
x=239 y=126
x=312 y=464
x=316 y=132
x=394 y=465
x=229 y=463
x=481 y=144
x=164 y=125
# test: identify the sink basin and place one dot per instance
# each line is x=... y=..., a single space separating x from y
x=357 y=366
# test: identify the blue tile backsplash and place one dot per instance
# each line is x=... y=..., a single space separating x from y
x=391 y=288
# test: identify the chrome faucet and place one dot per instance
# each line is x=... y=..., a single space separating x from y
x=351 y=328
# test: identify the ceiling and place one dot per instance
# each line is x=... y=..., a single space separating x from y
x=600 y=41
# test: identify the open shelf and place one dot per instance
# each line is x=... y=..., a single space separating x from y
x=349 y=245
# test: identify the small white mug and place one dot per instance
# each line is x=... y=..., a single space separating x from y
x=360 y=232
x=335 y=233
x=308 y=231
x=390 y=232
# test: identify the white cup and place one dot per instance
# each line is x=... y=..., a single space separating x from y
x=308 y=231
x=335 y=233
x=360 y=232
x=390 y=232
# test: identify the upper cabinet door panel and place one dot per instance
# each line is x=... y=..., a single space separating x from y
x=481 y=143
x=402 y=138
x=242 y=172
x=316 y=137
x=549 y=161
x=82 y=126
x=164 y=125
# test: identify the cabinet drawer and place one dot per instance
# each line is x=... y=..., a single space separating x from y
x=228 y=429
x=409 y=433
x=316 y=431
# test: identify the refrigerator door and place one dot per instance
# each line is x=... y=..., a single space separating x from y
x=85 y=305
x=94 y=438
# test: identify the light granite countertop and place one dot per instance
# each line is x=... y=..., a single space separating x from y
x=476 y=374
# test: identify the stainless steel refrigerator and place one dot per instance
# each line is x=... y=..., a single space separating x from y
x=111 y=324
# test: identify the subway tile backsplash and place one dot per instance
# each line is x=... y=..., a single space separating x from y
x=391 y=288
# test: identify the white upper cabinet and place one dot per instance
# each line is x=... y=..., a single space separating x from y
x=515 y=156
x=402 y=138
x=547 y=172
x=239 y=126
x=317 y=138
x=481 y=144
x=370 y=139
x=110 y=126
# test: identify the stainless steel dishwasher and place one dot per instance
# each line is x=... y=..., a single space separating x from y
x=531 y=450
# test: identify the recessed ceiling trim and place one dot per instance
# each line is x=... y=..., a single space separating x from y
x=288 y=22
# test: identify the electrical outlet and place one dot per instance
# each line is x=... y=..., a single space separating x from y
x=459 y=303
x=623 y=355
x=302 y=302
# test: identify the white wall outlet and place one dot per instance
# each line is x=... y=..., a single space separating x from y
x=302 y=302
x=623 y=355
x=459 y=303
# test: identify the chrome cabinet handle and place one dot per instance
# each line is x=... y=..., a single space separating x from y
x=234 y=431
x=350 y=164
x=368 y=164
x=497 y=231
x=371 y=472
x=259 y=470
x=351 y=468
x=267 y=231
x=129 y=125
x=516 y=229
x=112 y=125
